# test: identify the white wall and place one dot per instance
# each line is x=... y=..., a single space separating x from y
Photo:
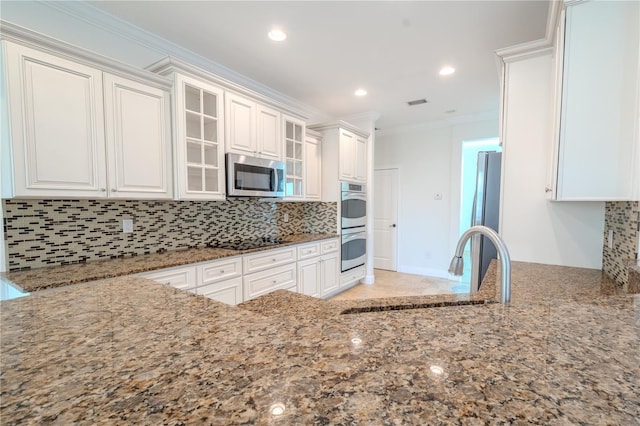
x=535 y=229
x=428 y=159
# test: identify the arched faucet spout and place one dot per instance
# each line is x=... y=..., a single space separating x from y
x=457 y=264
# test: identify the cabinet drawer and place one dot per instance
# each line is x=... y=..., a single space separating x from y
x=228 y=291
x=308 y=250
x=220 y=270
x=182 y=278
x=282 y=277
x=329 y=246
x=352 y=276
x=267 y=259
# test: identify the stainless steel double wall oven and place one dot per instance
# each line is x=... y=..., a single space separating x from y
x=353 y=219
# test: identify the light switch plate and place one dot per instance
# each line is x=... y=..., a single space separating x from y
x=127 y=226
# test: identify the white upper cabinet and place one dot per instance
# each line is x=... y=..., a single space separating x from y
x=57 y=125
x=294 y=158
x=597 y=141
x=344 y=156
x=313 y=166
x=138 y=139
x=252 y=128
x=199 y=117
x=71 y=135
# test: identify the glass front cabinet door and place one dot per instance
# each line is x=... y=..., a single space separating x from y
x=200 y=144
x=294 y=157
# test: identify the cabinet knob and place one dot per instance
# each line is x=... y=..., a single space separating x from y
x=222 y=271
x=114 y=190
x=273 y=260
x=275 y=282
x=103 y=190
x=547 y=189
x=392 y=226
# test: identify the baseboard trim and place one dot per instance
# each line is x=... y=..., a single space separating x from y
x=438 y=273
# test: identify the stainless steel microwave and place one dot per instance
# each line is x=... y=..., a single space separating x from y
x=254 y=177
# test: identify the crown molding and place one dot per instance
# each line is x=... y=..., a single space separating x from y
x=133 y=34
x=340 y=124
x=537 y=47
x=363 y=116
x=26 y=37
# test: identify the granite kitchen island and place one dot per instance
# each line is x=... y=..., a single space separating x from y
x=129 y=351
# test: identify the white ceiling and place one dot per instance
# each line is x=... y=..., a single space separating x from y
x=392 y=49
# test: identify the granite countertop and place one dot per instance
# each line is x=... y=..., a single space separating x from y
x=129 y=351
x=57 y=276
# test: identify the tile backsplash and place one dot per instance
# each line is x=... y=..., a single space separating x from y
x=623 y=217
x=56 y=232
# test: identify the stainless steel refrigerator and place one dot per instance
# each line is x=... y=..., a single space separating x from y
x=486 y=211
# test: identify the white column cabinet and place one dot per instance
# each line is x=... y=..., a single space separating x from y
x=313 y=166
x=57 y=125
x=138 y=139
x=329 y=269
x=597 y=146
x=344 y=156
x=78 y=132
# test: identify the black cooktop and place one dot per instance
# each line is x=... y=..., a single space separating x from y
x=246 y=244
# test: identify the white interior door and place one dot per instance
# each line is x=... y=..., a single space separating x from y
x=385 y=216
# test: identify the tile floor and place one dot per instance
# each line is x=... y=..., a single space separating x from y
x=396 y=284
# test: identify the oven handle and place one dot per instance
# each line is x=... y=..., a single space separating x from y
x=348 y=237
x=354 y=196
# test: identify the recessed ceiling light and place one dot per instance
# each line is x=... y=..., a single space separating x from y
x=277 y=34
x=450 y=111
x=447 y=70
x=360 y=92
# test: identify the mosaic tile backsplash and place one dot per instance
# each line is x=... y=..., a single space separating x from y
x=624 y=218
x=56 y=232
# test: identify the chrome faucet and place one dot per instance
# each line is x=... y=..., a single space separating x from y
x=457 y=264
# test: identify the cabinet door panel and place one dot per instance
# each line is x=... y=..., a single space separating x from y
x=329 y=275
x=199 y=139
x=347 y=155
x=240 y=124
x=313 y=169
x=309 y=277
x=599 y=107
x=57 y=125
x=137 y=123
x=269 y=138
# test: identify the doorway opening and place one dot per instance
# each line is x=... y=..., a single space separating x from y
x=469 y=167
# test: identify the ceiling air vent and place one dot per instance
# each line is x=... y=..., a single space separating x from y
x=417 y=102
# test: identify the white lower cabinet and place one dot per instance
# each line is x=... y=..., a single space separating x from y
x=234 y=280
x=318 y=271
x=266 y=281
x=183 y=278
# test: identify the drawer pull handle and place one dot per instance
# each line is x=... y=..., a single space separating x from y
x=273 y=260
x=274 y=281
x=222 y=271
